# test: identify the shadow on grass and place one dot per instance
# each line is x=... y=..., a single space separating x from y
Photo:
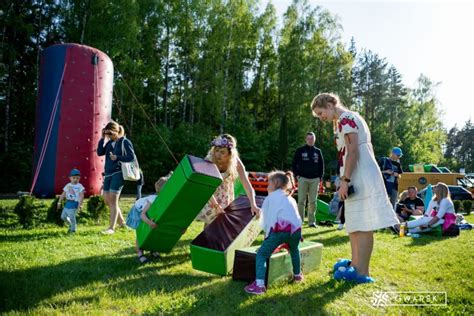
x=23 y=290
x=425 y=239
x=310 y=300
x=330 y=241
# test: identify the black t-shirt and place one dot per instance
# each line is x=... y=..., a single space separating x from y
x=389 y=164
x=308 y=162
x=413 y=204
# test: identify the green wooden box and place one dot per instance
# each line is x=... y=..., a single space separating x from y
x=214 y=249
x=322 y=212
x=279 y=265
x=181 y=199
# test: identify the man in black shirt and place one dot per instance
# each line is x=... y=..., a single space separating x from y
x=391 y=171
x=308 y=167
x=412 y=205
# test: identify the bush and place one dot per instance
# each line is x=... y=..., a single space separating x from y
x=457 y=206
x=467 y=206
x=96 y=208
x=27 y=211
x=54 y=213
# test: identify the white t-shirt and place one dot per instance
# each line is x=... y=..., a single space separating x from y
x=73 y=191
x=140 y=203
x=279 y=208
x=444 y=207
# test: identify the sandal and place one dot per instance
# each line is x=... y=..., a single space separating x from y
x=142 y=259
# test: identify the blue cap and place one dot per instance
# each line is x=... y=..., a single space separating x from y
x=74 y=172
x=397 y=151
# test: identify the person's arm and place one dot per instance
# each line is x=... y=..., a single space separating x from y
x=419 y=209
x=322 y=164
x=81 y=199
x=248 y=187
x=443 y=207
x=130 y=153
x=144 y=216
x=101 y=148
x=352 y=146
x=61 y=198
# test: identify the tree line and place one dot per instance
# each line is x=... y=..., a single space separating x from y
x=202 y=67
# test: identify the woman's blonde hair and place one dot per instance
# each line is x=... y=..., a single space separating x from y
x=115 y=127
x=441 y=191
x=324 y=101
x=403 y=195
x=225 y=141
x=162 y=181
x=283 y=180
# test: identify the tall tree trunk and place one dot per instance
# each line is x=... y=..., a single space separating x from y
x=167 y=68
x=84 y=21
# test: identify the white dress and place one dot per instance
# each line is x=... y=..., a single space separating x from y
x=368 y=208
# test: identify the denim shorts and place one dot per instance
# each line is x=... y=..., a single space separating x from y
x=113 y=183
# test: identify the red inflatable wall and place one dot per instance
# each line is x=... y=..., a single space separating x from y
x=83 y=107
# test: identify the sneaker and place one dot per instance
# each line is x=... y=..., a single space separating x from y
x=340 y=227
x=109 y=231
x=313 y=225
x=254 y=289
x=297 y=278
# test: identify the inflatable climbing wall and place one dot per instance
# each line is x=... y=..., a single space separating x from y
x=74 y=104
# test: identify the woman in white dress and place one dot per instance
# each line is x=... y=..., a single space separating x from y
x=368 y=208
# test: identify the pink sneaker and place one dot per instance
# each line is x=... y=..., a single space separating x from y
x=297 y=278
x=254 y=289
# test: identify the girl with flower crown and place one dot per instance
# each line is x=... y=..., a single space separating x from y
x=224 y=154
x=368 y=208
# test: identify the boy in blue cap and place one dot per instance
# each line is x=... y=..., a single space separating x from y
x=391 y=171
x=73 y=193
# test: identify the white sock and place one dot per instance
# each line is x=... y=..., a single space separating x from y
x=260 y=282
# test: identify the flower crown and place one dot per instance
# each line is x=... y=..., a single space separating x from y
x=220 y=141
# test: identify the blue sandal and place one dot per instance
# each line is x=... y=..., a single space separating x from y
x=350 y=274
x=341 y=263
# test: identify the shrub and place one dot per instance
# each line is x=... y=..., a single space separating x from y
x=27 y=211
x=457 y=206
x=467 y=206
x=96 y=208
x=54 y=213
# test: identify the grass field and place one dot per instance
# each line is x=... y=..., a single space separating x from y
x=44 y=270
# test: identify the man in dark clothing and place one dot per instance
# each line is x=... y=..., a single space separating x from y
x=308 y=167
x=412 y=205
x=391 y=171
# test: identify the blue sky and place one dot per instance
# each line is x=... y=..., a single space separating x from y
x=434 y=38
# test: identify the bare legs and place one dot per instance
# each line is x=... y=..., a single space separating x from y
x=111 y=199
x=362 y=244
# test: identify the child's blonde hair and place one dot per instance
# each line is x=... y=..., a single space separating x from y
x=225 y=141
x=161 y=182
x=115 y=127
x=283 y=180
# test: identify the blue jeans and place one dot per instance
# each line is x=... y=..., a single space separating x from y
x=271 y=243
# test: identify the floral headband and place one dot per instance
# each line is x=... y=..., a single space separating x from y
x=220 y=141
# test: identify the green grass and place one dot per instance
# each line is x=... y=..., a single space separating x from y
x=44 y=271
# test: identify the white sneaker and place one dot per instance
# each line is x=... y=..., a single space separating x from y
x=340 y=227
x=108 y=231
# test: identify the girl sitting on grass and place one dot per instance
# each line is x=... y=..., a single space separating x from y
x=281 y=223
x=138 y=213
